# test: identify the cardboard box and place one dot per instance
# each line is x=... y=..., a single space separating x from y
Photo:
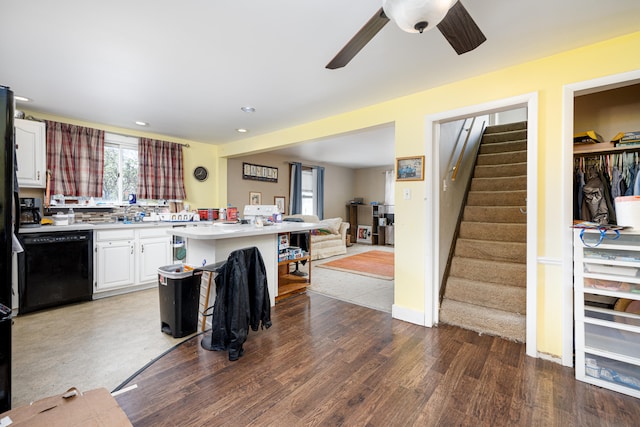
x=283 y=241
x=93 y=408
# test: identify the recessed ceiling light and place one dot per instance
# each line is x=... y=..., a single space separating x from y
x=248 y=109
x=241 y=130
x=139 y=123
x=21 y=98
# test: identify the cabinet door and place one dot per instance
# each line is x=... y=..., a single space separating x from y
x=31 y=153
x=153 y=253
x=115 y=264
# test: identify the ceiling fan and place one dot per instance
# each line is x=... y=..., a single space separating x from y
x=417 y=16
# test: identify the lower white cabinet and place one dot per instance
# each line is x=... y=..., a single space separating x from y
x=116 y=264
x=153 y=251
x=607 y=294
x=128 y=257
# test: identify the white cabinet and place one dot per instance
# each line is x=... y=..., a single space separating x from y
x=115 y=259
x=607 y=333
x=31 y=153
x=154 y=251
x=127 y=258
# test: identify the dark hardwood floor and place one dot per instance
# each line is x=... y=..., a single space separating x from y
x=326 y=362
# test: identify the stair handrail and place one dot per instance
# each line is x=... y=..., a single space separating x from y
x=451 y=168
x=464 y=148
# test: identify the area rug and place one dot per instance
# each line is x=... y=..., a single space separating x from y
x=378 y=264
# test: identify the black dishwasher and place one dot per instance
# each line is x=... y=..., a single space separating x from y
x=56 y=268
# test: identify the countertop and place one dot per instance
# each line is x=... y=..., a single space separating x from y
x=82 y=226
x=229 y=231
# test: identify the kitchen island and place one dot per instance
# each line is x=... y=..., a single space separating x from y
x=214 y=243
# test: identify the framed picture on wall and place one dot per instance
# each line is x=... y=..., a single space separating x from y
x=259 y=172
x=280 y=202
x=255 y=198
x=410 y=168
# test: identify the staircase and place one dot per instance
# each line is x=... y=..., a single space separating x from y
x=486 y=287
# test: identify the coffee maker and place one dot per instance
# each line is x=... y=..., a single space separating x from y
x=30 y=212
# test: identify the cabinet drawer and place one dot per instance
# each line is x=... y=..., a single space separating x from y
x=625 y=343
x=153 y=232
x=595 y=254
x=612 y=371
x=122 y=234
x=626 y=240
x=595 y=314
x=612 y=269
x=612 y=285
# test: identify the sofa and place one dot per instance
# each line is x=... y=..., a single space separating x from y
x=329 y=239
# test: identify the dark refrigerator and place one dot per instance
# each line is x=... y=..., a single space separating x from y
x=7 y=196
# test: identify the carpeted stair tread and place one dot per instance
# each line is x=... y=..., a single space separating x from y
x=507 y=127
x=503 y=147
x=499 y=183
x=496 y=171
x=489 y=295
x=497 y=198
x=513 y=135
x=503 y=273
x=510 y=214
x=502 y=158
x=499 y=232
x=492 y=250
x=511 y=326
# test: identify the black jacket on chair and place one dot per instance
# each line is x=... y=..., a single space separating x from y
x=242 y=301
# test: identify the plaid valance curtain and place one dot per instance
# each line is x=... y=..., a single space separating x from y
x=75 y=157
x=160 y=170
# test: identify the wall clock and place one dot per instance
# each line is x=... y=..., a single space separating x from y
x=201 y=173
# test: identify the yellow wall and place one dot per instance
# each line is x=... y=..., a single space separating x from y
x=199 y=194
x=547 y=77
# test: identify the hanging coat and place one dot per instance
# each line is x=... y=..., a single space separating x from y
x=594 y=205
x=242 y=301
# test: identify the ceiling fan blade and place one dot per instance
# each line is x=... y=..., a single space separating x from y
x=460 y=30
x=362 y=37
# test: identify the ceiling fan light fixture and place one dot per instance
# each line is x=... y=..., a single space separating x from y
x=416 y=16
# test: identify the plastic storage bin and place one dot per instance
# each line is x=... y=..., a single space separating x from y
x=179 y=292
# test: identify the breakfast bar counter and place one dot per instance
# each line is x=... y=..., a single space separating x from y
x=214 y=243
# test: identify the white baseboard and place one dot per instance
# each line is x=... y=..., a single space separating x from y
x=408 y=315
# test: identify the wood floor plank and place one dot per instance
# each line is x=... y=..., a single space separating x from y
x=329 y=363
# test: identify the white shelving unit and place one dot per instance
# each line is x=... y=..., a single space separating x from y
x=607 y=340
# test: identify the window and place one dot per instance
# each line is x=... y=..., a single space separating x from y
x=120 y=167
x=307 y=192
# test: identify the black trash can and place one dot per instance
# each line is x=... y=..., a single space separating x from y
x=179 y=297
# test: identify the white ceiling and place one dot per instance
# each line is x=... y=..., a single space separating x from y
x=186 y=67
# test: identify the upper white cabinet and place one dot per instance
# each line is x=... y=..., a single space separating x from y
x=31 y=153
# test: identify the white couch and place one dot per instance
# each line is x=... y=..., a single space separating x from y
x=329 y=239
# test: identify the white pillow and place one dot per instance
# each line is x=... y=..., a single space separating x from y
x=331 y=224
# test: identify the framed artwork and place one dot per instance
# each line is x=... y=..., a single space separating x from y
x=410 y=168
x=280 y=202
x=259 y=172
x=255 y=198
x=364 y=234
